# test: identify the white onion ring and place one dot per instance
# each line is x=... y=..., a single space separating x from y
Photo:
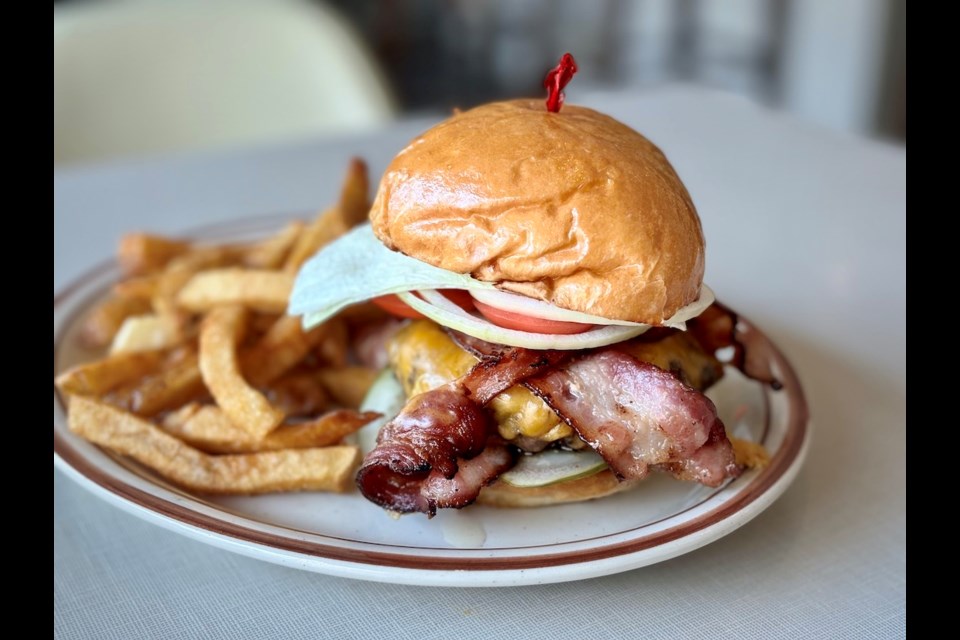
x=532 y=308
x=539 y=309
x=436 y=307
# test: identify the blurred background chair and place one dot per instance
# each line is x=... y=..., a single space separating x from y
x=137 y=78
x=839 y=63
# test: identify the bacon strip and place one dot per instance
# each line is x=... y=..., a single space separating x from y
x=476 y=346
x=719 y=327
x=626 y=431
x=436 y=453
x=432 y=431
x=474 y=474
x=439 y=452
x=711 y=464
x=494 y=375
x=636 y=416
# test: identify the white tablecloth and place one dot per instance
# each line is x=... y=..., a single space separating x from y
x=806 y=235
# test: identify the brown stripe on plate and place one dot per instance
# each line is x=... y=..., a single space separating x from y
x=797 y=421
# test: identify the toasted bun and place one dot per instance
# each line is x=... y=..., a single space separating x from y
x=501 y=494
x=573 y=208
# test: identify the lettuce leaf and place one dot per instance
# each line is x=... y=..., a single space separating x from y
x=358 y=267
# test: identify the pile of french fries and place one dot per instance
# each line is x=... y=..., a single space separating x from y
x=206 y=381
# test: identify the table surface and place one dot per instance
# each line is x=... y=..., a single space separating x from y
x=806 y=235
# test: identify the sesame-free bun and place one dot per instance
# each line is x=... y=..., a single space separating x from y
x=598 y=485
x=574 y=208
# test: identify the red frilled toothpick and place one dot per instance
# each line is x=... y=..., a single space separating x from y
x=557 y=79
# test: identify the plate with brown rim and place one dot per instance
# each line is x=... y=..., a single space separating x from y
x=344 y=535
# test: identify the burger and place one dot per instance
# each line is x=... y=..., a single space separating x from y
x=547 y=264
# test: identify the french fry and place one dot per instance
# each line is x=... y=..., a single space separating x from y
x=333 y=343
x=105 y=320
x=177 y=381
x=147 y=333
x=280 y=349
x=141 y=253
x=347 y=385
x=354 y=202
x=200 y=345
x=318 y=469
x=100 y=376
x=284 y=345
x=298 y=394
x=260 y=290
x=260 y=323
x=246 y=407
x=209 y=429
x=351 y=210
x=325 y=228
x=141 y=287
x=182 y=268
x=270 y=253
x=180 y=415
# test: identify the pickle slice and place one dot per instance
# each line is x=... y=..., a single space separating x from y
x=553 y=466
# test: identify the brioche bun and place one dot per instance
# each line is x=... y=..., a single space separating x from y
x=573 y=208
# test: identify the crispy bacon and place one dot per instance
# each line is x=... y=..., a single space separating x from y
x=719 y=327
x=426 y=491
x=634 y=413
x=432 y=431
x=476 y=346
x=636 y=416
x=440 y=450
x=494 y=375
x=473 y=474
x=711 y=464
x=436 y=452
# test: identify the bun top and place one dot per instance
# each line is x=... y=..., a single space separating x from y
x=574 y=208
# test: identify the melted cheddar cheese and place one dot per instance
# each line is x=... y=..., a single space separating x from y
x=425 y=357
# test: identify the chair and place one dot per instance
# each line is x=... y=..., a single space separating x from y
x=148 y=77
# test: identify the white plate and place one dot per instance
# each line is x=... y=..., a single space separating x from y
x=345 y=535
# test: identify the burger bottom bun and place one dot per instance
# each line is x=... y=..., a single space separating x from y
x=501 y=494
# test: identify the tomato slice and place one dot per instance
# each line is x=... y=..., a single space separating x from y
x=391 y=303
x=394 y=305
x=520 y=322
x=459 y=297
